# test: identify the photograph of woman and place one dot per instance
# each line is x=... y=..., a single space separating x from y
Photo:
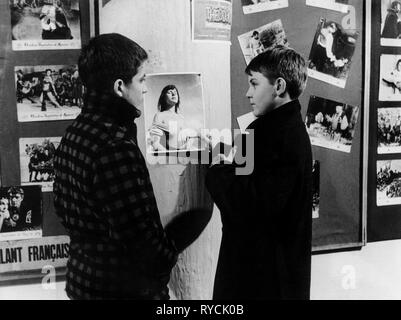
x=391 y=24
x=174 y=112
x=390 y=78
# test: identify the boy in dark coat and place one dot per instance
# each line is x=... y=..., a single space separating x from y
x=267 y=215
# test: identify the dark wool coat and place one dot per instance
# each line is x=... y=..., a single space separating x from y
x=265 y=251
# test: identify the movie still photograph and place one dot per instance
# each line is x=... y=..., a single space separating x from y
x=256 y=41
x=331 y=53
x=388 y=186
x=45 y=24
x=20 y=212
x=174 y=113
x=315 y=189
x=48 y=93
x=331 y=124
x=388 y=130
x=390 y=77
x=252 y=6
x=390 y=23
x=36 y=161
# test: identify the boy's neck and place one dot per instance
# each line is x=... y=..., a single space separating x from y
x=282 y=101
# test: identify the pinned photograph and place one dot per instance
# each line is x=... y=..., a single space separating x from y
x=390 y=23
x=389 y=130
x=335 y=5
x=331 y=124
x=390 y=78
x=174 y=113
x=45 y=24
x=36 y=161
x=315 y=189
x=258 y=40
x=20 y=213
x=211 y=20
x=252 y=6
x=48 y=93
x=331 y=54
x=388 y=182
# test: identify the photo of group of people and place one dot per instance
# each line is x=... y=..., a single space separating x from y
x=36 y=161
x=391 y=23
x=174 y=112
x=47 y=93
x=388 y=186
x=252 y=6
x=331 y=53
x=336 y=5
x=331 y=124
x=258 y=40
x=390 y=78
x=389 y=130
x=20 y=213
x=45 y=24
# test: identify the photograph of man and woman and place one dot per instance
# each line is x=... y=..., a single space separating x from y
x=331 y=124
x=252 y=6
x=331 y=53
x=388 y=187
x=389 y=130
x=258 y=40
x=174 y=112
x=48 y=93
x=20 y=212
x=45 y=24
x=390 y=23
x=36 y=161
x=390 y=77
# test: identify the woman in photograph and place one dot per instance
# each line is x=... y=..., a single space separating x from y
x=254 y=44
x=391 y=24
x=166 y=132
x=4 y=213
x=394 y=80
x=54 y=22
x=49 y=91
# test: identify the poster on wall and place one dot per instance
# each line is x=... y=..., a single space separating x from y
x=48 y=93
x=335 y=5
x=390 y=23
x=36 y=161
x=45 y=24
x=252 y=6
x=315 y=189
x=331 y=53
x=388 y=130
x=390 y=78
x=388 y=186
x=331 y=124
x=211 y=20
x=20 y=212
x=174 y=112
x=258 y=40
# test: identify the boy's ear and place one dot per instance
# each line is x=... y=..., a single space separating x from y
x=119 y=88
x=281 y=87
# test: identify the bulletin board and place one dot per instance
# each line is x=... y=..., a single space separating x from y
x=384 y=205
x=340 y=224
x=54 y=241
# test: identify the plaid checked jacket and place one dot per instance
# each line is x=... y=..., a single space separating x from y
x=105 y=200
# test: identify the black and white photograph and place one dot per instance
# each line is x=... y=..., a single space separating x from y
x=174 y=112
x=389 y=130
x=36 y=161
x=331 y=53
x=315 y=189
x=388 y=186
x=48 y=93
x=390 y=77
x=331 y=124
x=390 y=23
x=45 y=24
x=258 y=40
x=20 y=212
x=335 y=5
x=252 y=6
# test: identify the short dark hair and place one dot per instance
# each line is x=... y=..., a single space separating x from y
x=282 y=62
x=162 y=104
x=15 y=190
x=109 y=57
